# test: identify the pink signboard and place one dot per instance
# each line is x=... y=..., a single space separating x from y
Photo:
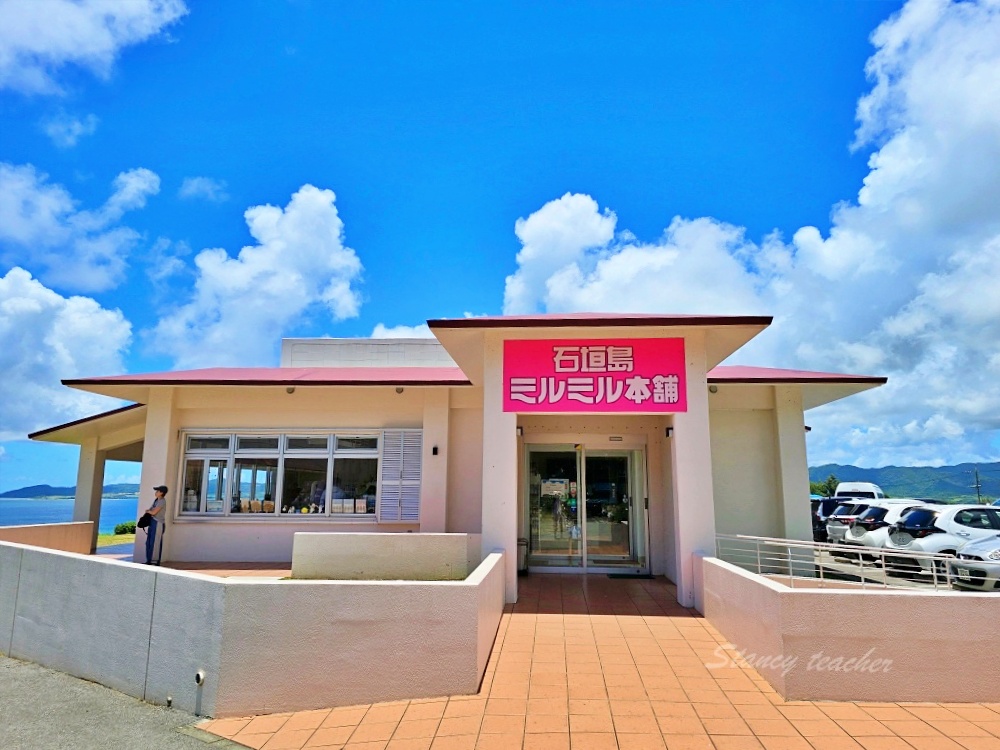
x=640 y=376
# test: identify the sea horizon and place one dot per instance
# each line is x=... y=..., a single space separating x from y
x=24 y=511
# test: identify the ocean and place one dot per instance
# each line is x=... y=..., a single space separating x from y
x=20 y=511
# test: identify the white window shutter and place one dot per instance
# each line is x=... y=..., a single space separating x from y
x=402 y=451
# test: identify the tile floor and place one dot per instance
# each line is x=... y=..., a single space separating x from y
x=588 y=663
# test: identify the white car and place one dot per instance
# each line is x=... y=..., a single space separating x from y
x=845 y=514
x=942 y=529
x=871 y=528
x=978 y=565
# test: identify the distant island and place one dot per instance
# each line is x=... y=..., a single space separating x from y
x=951 y=483
x=47 y=490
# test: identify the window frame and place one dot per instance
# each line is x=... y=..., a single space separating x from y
x=235 y=453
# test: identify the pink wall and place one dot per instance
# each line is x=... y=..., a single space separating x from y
x=836 y=644
x=68 y=537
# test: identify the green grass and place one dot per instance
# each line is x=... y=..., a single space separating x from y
x=106 y=540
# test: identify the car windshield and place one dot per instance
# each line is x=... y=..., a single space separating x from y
x=919 y=518
x=856 y=493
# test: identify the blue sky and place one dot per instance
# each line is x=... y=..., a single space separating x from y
x=682 y=157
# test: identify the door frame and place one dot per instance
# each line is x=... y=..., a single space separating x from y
x=603 y=443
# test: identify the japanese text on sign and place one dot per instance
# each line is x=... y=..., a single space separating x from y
x=642 y=375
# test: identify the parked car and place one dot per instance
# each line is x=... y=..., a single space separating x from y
x=841 y=518
x=822 y=507
x=871 y=528
x=939 y=529
x=978 y=565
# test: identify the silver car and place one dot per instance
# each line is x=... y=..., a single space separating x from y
x=978 y=565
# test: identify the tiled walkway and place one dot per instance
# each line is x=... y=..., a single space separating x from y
x=588 y=663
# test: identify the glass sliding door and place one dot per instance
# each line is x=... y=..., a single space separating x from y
x=609 y=508
x=554 y=512
x=586 y=508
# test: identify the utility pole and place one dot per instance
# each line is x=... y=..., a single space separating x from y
x=977 y=485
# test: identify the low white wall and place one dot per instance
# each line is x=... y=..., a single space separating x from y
x=251 y=539
x=380 y=557
x=263 y=645
x=69 y=537
x=856 y=645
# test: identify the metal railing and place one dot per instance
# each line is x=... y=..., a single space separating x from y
x=811 y=564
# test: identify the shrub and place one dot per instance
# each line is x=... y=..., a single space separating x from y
x=125 y=528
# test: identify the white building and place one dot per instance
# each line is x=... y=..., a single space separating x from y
x=608 y=443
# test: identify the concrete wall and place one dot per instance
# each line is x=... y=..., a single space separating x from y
x=263 y=645
x=381 y=557
x=68 y=537
x=856 y=645
x=296 y=645
x=253 y=539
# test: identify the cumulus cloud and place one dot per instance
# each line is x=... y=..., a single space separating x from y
x=421 y=331
x=45 y=337
x=240 y=306
x=902 y=285
x=40 y=37
x=205 y=188
x=66 y=130
x=42 y=226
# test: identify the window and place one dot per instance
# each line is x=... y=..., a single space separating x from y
x=253 y=486
x=201 y=443
x=204 y=484
x=325 y=475
x=304 y=489
x=976 y=519
x=354 y=483
x=255 y=443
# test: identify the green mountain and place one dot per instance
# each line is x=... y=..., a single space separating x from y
x=47 y=490
x=941 y=482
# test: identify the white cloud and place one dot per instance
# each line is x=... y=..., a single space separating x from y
x=42 y=227
x=204 y=187
x=240 y=306
x=44 y=338
x=421 y=331
x=904 y=284
x=39 y=37
x=66 y=130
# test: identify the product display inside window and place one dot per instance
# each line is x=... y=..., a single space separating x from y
x=285 y=475
x=304 y=488
x=354 y=482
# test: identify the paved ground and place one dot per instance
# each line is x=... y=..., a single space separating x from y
x=45 y=710
x=588 y=663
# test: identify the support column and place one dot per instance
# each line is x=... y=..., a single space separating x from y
x=159 y=465
x=793 y=467
x=694 y=499
x=499 y=466
x=434 y=477
x=89 y=486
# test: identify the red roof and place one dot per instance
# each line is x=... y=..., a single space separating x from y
x=288 y=376
x=746 y=374
x=594 y=320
